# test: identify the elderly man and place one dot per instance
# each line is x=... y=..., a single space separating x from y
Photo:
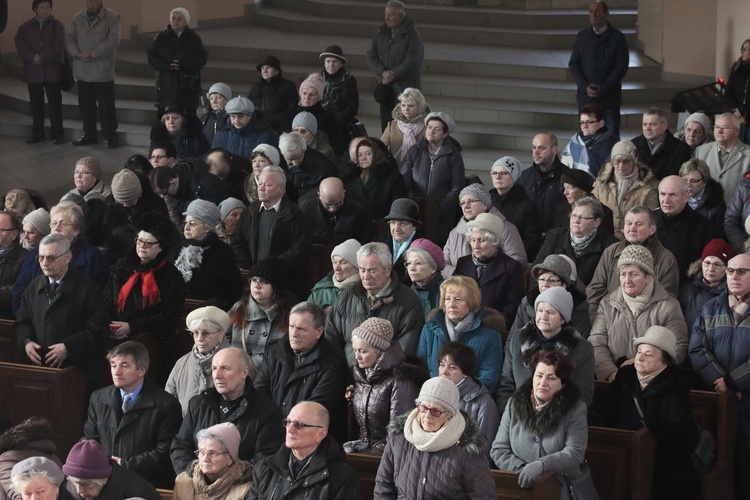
x=657 y=147
x=305 y=366
x=590 y=147
x=12 y=255
x=87 y=177
x=681 y=230
x=395 y=56
x=191 y=374
x=696 y=131
x=599 y=63
x=232 y=399
x=640 y=227
x=380 y=294
x=244 y=130
x=345 y=274
x=62 y=318
x=334 y=216
x=719 y=351
x=728 y=159
x=542 y=181
x=134 y=419
x=307 y=167
x=93 y=37
x=309 y=465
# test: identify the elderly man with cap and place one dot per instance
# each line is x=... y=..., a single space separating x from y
x=273 y=94
x=729 y=158
x=404 y=223
x=39 y=478
x=131 y=201
x=306 y=125
x=94 y=476
x=696 y=131
x=218 y=96
x=474 y=200
x=87 y=177
x=243 y=129
x=657 y=147
x=511 y=200
x=12 y=255
x=340 y=97
x=307 y=167
x=191 y=374
x=35 y=226
x=344 y=275
x=589 y=148
x=578 y=184
x=134 y=419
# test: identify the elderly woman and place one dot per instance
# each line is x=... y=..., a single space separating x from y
x=272 y=93
x=424 y=261
x=218 y=473
x=544 y=428
x=243 y=129
x=183 y=130
x=403 y=221
x=653 y=393
x=577 y=185
x=34 y=437
x=35 y=227
x=263 y=156
x=706 y=196
x=696 y=131
x=434 y=168
x=461 y=318
x=207 y=264
x=499 y=277
x=87 y=177
x=306 y=125
x=231 y=213
x=708 y=279
x=625 y=314
x=624 y=183
x=38 y=478
x=340 y=97
x=311 y=92
x=407 y=126
x=218 y=96
x=589 y=148
x=384 y=384
x=19 y=202
x=435 y=451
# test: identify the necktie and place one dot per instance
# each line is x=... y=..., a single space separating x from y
x=53 y=287
x=127 y=403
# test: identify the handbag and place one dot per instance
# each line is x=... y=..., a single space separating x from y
x=67 y=81
x=581 y=486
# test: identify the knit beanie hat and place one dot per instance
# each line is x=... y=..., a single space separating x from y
x=435 y=251
x=183 y=11
x=347 y=251
x=315 y=81
x=701 y=118
x=443 y=117
x=229 y=436
x=511 y=164
x=220 y=88
x=661 y=337
x=440 y=391
x=638 y=255
x=627 y=149
x=270 y=152
x=39 y=220
x=87 y=460
x=93 y=164
x=377 y=332
x=718 y=248
x=271 y=269
x=559 y=298
x=208 y=313
x=555 y=264
x=228 y=205
x=205 y=211
x=477 y=191
x=240 y=105
x=126 y=188
x=39 y=464
x=307 y=120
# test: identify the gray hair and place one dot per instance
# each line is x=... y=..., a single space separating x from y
x=318 y=316
x=643 y=209
x=63 y=245
x=424 y=254
x=696 y=165
x=30 y=475
x=280 y=174
x=204 y=434
x=196 y=323
x=396 y=4
x=590 y=201
x=98 y=482
x=134 y=349
x=379 y=249
x=658 y=112
x=735 y=121
x=493 y=238
x=292 y=141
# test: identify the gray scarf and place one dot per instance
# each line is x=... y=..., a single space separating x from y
x=580 y=244
x=455 y=331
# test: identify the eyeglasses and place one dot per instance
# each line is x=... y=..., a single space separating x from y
x=499 y=173
x=694 y=181
x=433 y=411
x=203 y=333
x=724 y=129
x=579 y=218
x=60 y=223
x=588 y=122
x=158 y=157
x=299 y=425
x=717 y=265
x=146 y=244
x=468 y=202
x=740 y=270
x=81 y=172
x=549 y=281
x=52 y=258
x=209 y=454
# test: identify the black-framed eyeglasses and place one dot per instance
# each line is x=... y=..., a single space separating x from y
x=52 y=258
x=740 y=270
x=146 y=244
x=433 y=411
x=549 y=281
x=299 y=425
x=577 y=217
x=587 y=122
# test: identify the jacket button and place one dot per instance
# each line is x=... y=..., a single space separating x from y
x=252 y=332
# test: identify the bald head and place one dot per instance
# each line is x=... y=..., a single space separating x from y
x=331 y=194
x=738 y=277
x=673 y=195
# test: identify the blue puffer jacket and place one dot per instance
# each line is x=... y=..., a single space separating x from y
x=242 y=142
x=481 y=337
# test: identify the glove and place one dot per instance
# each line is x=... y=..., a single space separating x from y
x=529 y=473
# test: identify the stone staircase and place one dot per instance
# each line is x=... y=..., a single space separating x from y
x=500 y=73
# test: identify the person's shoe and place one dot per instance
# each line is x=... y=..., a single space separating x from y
x=112 y=143
x=34 y=140
x=57 y=141
x=85 y=140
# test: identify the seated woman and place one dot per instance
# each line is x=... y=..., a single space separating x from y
x=263 y=156
x=407 y=126
x=35 y=227
x=653 y=393
x=435 y=451
x=709 y=279
x=404 y=223
x=544 y=428
x=34 y=437
x=306 y=125
x=218 y=95
x=499 y=277
x=231 y=214
x=384 y=384
x=340 y=97
x=696 y=131
x=311 y=92
x=458 y=363
x=191 y=374
x=87 y=177
x=243 y=129
x=207 y=264
x=549 y=329
x=38 y=477
x=625 y=314
x=424 y=261
x=218 y=473
x=461 y=318
x=706 y=196
x=345 y=274
x=184 y=131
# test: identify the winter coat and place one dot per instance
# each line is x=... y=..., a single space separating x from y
x=183 y=87
x=556 y=435
x=460 y=472
x=564 y=209
x=384 y=393
x=10 y=267
x=457 y=246
x=190 y=142
x=614 y=328
x=314 y=168
x=730 y=174
x=477 y=402
x=324 y=292
x=384 y=185
x=142 y=436
x=546 y=188
x=100 y=187
x=260 y=330
x=557 y=242
x=33 y=437
x=695 y=293
x=522 y=212
x=351 y=220
x=589 y=153
x=341 y=99
x=713 y=207
x=579 y=319
x=399 y=50
x=160 y=319
x=738 y=209
x=190 y=377
x=48 y=41
x=429 y=294
x=257 y=418
x=122 y=484
x=401 y=307
x=327 y=476
x=501 y=283
x=184 y=489
x=524 y=343
x=242 y=142
x=211 y=121
x=323 y=117
x=684 y=235
x=392 y=136
x=483 y=336
x=668 y=158
x=643 y=191
x=274 y=97
x=737 y=90
x=101 y=38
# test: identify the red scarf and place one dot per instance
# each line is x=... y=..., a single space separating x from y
x=149 y=288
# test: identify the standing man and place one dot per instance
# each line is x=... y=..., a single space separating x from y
x=729 y=158
x=598 y=63
x=658 y=148
x=93 y=38
x=395 y=56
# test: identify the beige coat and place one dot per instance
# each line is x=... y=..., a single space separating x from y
x=393 y=137
x=642 y=192
x=615 y=327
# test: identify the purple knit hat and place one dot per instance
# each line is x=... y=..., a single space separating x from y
x=87 y=460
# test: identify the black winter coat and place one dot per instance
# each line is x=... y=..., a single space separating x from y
x=668 y=159
x=519 y=209
x=545 y=188
x=737 y=91
x=189 y=143
x=685 y=235
x=694 y=294
x=341 y=99
x=352 y=220
x=10 y=266
x=384 y=185
x=314 y=168
x=557 y=241
x=275 y=97
x=714 y=207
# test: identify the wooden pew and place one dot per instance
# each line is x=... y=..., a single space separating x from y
x=621 y=462
x=164 y=494
x=367 y=469
x=9 y=350
x=54 y=393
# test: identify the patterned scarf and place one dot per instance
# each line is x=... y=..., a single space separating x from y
x=219 y=488
x=739 y=306
x=410 y=131
x=442 y=439
x=149 y=287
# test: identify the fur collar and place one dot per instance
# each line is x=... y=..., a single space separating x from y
x=31 y=429
x=546 y=420
x=472 y=440
x=565 y=341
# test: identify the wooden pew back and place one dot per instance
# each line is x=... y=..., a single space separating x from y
x=621 y=462
x=9 y=350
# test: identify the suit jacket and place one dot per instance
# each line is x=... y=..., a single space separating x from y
x=730 y=175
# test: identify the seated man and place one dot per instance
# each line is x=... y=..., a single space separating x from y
x=589 y=148
x=306 y=166
x=658 y=148
x=134 y=419
x=310 y=463
x=305 y=366
x=232 y=399
x=243 y=129
x=12 y=255
x=729 y=158
x=344 y=275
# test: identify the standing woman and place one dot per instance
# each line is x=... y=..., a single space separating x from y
x=407 y=126
x=340 y=97
x=177 y=54
x=737 y=92
x=41 y=43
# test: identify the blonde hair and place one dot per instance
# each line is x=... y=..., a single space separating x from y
x=464 y=286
